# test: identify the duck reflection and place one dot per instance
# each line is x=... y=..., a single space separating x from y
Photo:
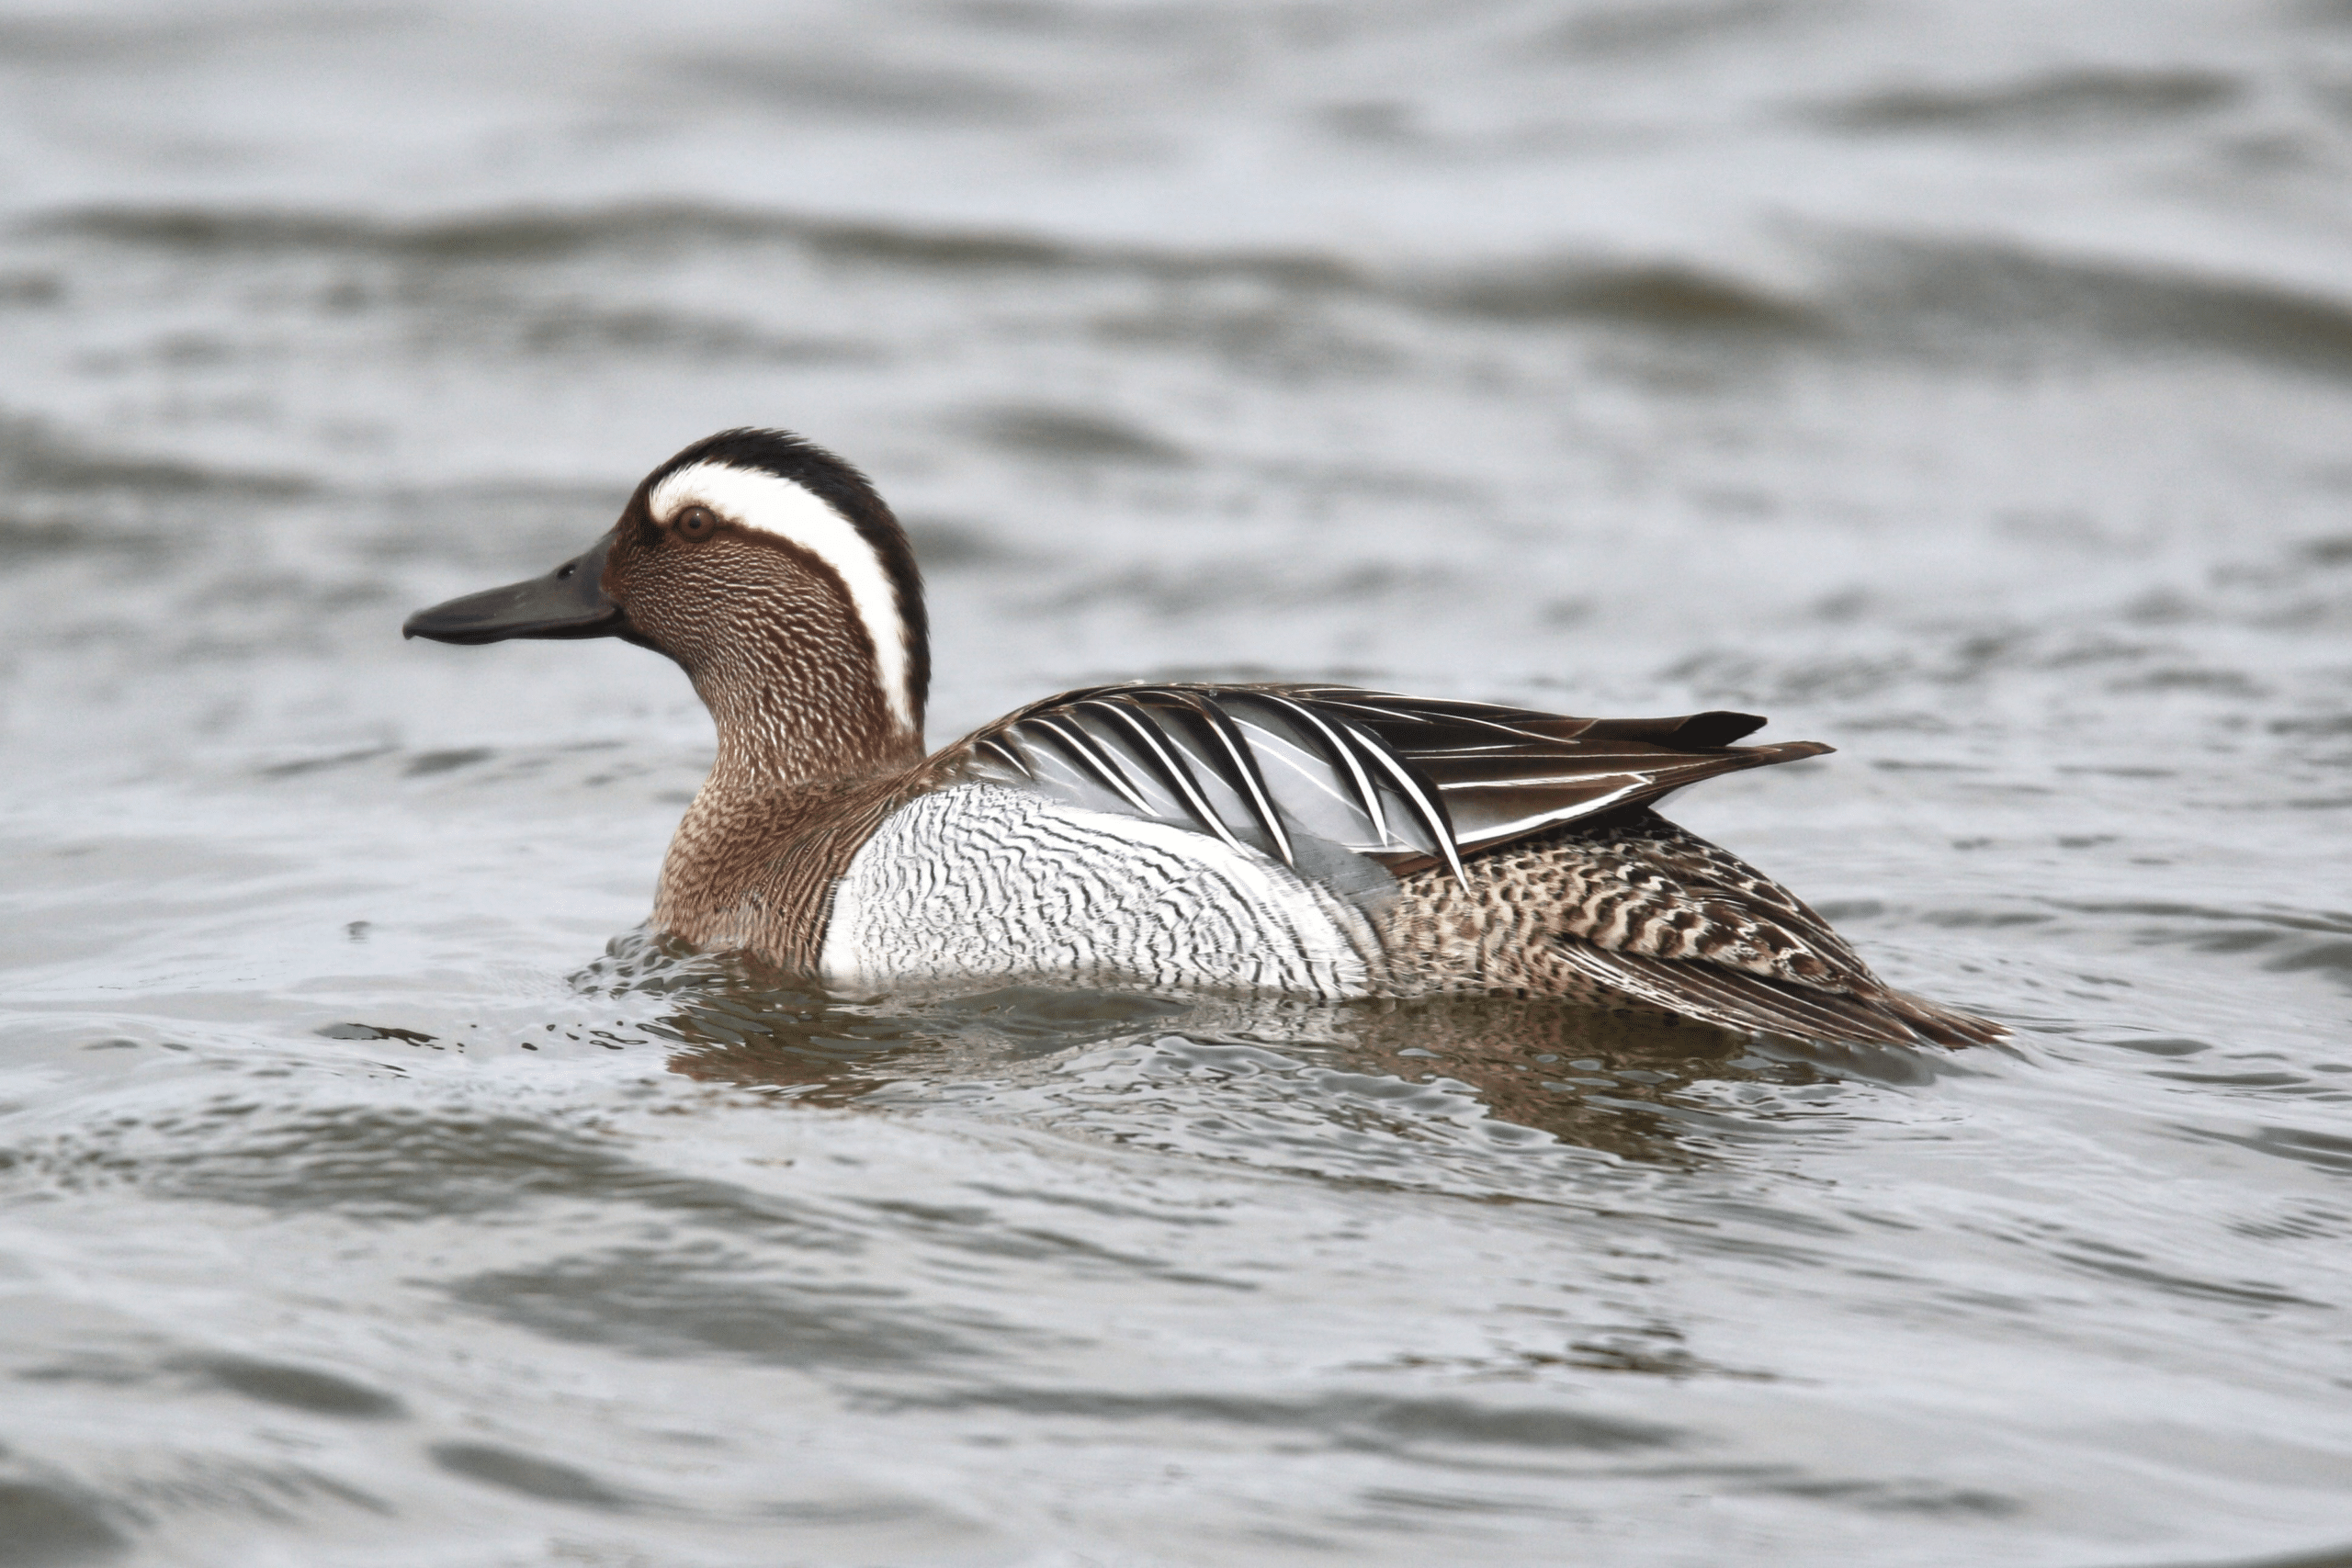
x=1605 y=1079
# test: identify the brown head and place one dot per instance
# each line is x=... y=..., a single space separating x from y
x=777 y=578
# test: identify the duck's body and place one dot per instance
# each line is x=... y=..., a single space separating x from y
x=1313 y=840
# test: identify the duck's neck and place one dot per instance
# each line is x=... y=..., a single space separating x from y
x=784 y=731
x=791 y=754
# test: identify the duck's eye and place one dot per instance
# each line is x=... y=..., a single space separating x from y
x=696 y=523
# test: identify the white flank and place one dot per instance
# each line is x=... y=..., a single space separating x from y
x=983 y=881
x=770 y=505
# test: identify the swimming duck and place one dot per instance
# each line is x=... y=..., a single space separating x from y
x=1307 y=840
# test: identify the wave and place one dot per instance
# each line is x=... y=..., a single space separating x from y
x=1969 y=293
x=855 y=88
x=1891 y=288
x=1661 y=294
x=1042 y=431
x=23 y=539
x=1661 y=27
x=1643 y=290
x=35 y=458
x=531 y=234
x=2065 y=101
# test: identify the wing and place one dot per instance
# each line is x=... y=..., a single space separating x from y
x=1654 y=911
x=1875 y=1015
x=1410 y=781
x=1635 y=908
x=1327 y=777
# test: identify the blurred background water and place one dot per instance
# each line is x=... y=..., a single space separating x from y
x=1964 y=384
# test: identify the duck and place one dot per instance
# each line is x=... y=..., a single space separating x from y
x=1291 y=840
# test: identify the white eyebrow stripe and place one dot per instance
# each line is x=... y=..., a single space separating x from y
x=771 y=504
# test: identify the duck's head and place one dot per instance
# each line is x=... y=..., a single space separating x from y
x=774 y=575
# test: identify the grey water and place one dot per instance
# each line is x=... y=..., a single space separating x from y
x=1966 y=385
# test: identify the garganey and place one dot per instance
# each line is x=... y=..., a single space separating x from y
x=1313 y=840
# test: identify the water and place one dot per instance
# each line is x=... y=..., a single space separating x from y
x=1964 y=385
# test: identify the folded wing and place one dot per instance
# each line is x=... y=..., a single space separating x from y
x=1410 y=781
x=1656 y=913
x=1326 y=778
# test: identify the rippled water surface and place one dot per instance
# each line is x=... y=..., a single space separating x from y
x=1966 y=385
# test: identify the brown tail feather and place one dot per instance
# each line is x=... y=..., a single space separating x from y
x=1945 y=1026
x=1738 y=1000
